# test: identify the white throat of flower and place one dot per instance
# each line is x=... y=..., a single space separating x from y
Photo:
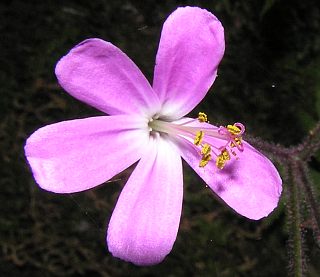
x=231 y=134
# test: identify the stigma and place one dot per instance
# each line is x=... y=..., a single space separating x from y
x=200 y=134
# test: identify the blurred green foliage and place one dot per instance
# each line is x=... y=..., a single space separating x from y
x=268 y=79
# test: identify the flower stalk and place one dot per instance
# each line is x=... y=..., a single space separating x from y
x=300 y=191
x=295 y=223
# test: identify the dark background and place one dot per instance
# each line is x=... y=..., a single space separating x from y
x=268 y=79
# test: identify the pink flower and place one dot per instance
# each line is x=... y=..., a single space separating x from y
x=147 y=125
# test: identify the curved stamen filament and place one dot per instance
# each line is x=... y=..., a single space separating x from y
x=181 y=129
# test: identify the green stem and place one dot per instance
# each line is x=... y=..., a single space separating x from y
x=312 y=204
x=295 y=222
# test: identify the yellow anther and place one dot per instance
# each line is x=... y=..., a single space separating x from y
x=220 y=163
x=198 y=138
x=206 y=149
x=202 y=117
x=233 y=130
x=205 y=159
x=238 y=141
x=225 y=154
x=222 y=158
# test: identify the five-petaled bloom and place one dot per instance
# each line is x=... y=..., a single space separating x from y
x=147 y=124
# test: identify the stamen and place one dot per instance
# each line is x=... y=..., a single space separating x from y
x=205 y=159
x=236 y=142
x=222 y=158
x=199 y=137
x=205 y=155
x=230 y=136
x=234 y=130
x=206 y=149
x=202 y=117
x=233 y=134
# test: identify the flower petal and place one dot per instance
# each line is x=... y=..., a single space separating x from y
x=101 y=75
x=77 y=155
x=250 y=184
x=190 y=49
x=145 y=222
